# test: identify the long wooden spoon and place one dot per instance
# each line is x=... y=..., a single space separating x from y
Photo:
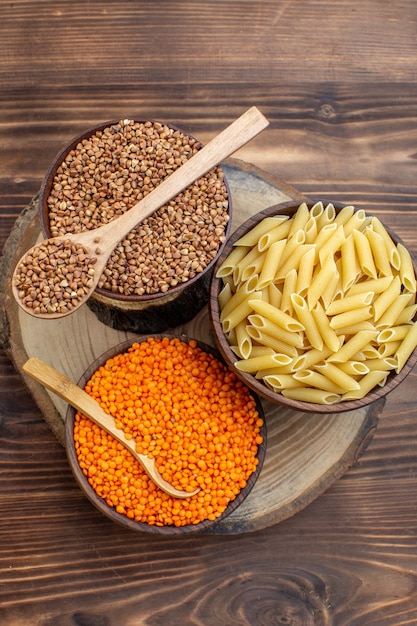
x=98 y=244
x=80 y=400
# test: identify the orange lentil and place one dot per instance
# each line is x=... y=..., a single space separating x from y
x=200 y=423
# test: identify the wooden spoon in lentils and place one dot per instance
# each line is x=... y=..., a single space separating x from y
x=54 y=278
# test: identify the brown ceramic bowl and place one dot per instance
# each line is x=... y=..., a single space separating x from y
x=111 y=512
x=148 y=312
x=393 y=380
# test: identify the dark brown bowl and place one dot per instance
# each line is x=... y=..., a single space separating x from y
x=393 y=380
x=145 y=313
x=110 y=512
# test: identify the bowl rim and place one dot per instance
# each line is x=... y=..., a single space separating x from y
x=100 y=503
x=230 y=357
x=44 y=219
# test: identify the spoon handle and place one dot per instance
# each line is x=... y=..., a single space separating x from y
x=80 y=400
x=233 y=137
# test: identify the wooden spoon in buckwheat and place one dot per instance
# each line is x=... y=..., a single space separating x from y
x=39 y=284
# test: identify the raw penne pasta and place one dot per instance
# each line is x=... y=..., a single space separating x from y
x=316 y=211
x=291 y=247
x=344 y=215
x=333 y=289
x=367 y=382
x=288 y=289
x=225 y=295
x=237 y=298
x=352 y=329
x=350 y=264
x=310 y=358
x=352 y=346
x=395 y=333
x=272 y=371
x=351 y=317
x=407 y=314
x=231 y=261
x=324 y=235
x=249 y=266
x=308 y=394
x=244 y=341
x=299 y=219
x=392 y=252
x=388 y=348
x=385 y=299
x=271 y=263
x=241 y=312
x=273 y=343
x=327 y=333
x=327 y=217
x=252 y=237
x=376 y=285
x=384 y=364
x=274 y=295
x=370 y=352
x=293 y=261
x=285 y=321
x=278 y=382
x=290 y=337
x=320 y=281
x=350 y=303
x=261 y=350
x=393 y=312
x=307 y=320
x=310 y=230
x=279 y=232
x=407 y=346
x=343 y=380
x=364 y=254
x=333 y=244
x=315 y=379
x=305 y=271
x=256 y=363
x=353 y=368
x=355 y=222
x=407 y=275
x=379 y=252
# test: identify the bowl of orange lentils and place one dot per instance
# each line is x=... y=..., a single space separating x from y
x=185 y=408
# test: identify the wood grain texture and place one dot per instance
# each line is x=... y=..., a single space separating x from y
x=337 y=80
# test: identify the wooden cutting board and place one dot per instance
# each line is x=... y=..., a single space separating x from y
x=305 y=454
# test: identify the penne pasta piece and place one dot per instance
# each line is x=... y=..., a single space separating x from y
x=353 y=346
x=352 y=329
x=353 y=368
x=244 y=341
x=277 y=316
x=328 y=215
x=279 y=232
x=315 y=379
x=388 y=348
x=324 y=235
x=333 y=244
x=287 y=290
x=251 y=238
x=344 y=215
x=274 y=295
x=270 y=328
x=271 y=263
x=256 y=363
x=385 y=299
x=355 y=222
x=278 y=382
x=238 y=314
x=310 y=230
x=407 y=314
x=364 y=254
x=351 y=317
x=384 y=364
x=307 y=320
x=333 y=372
x=350 y=303
x=271 y=342
x=316 y=210
x=327 y=333
x=333 y=289
x=370 y=352
x=299 y=219
x=244 y=290
x=310 y=358
x=379 y=252
x=376 y=285
x=261 y=350
x=393 y=312
x=407 y=346
x=292 y=245
x=293 y=261
x=350 y=264
x=395 y=333
x=320 y=281
x=392 y=252
x=225 y=295
x=305 y=271
x=308 y=394
x=407 y=275
x=230 y=262
x=272 y=371
x=367 y=383
x=245 y=270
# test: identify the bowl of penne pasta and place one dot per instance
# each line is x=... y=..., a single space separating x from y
x=313 y=306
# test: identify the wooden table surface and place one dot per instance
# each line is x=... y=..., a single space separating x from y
x=338 y=82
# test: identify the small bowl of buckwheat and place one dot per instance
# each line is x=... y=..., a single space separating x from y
x=158 y=276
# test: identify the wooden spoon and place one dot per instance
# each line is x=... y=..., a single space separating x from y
x=80 y=400
x=98 y=244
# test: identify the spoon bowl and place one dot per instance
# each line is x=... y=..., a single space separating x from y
x=39 y=281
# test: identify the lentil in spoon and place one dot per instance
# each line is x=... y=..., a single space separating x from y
x=54 y=278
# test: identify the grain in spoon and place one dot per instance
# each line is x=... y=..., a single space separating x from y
x=37 y=275
x=80 y=400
